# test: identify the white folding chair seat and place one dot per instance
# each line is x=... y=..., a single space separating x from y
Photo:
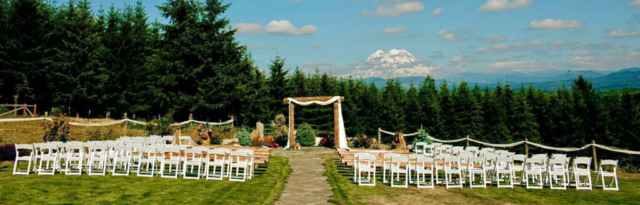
x=49 y=154
x=147 y=159
x=367 y=164
x=238 y=160
x=556 y=174
x=475 y=166
x=452 y=167
x=386 y=166
x=171 y=157
x=533 y=173
x=216 y=158
x=424 y=168
x=608 y=168
x=122 y=160
x=398 y=166
x=24 y=153
x=193 y=158
x=504 y=172
x=75 y=159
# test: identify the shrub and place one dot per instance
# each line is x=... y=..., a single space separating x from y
x=161 y=126
x=362 y=141
x=57 y=130
x=422 y=137
x=244 y=138
x=224 y=131
x=102 y=133
x=7 y=152
x=280 y=130
x=305 y=135
x=215 y=140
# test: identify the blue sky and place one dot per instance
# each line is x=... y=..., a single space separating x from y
x=439 y=37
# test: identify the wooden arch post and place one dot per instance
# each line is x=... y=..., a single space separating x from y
x=336 y=116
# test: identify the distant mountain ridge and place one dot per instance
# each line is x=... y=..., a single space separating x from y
x=547 y=80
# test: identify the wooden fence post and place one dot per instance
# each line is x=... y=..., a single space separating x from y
x=526 y=147
x=595 y=159
x=232 y=121
x=107 y=116
x=467 y=140
x=379 y=136
x=15 y=106
x=190 y=124
x=24 y=110
x=35 y=106
x=125 y=124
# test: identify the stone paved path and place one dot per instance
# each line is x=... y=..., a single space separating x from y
x=306 y=185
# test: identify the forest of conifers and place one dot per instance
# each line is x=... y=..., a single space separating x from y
x=65 y=56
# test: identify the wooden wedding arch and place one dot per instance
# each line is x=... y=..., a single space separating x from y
x=336 y=115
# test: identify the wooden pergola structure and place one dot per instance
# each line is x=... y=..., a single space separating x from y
x=336 y=119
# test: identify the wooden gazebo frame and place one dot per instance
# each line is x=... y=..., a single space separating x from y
x=336 y=116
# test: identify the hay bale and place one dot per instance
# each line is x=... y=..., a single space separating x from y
x=257 y=140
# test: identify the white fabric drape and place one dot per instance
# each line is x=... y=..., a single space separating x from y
x=497 y=145
x=24 y=119
x=342 y=134
x=112 y=122
x=613 y=149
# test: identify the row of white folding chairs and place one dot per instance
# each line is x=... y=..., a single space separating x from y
x=96 y=157
x=434 y=149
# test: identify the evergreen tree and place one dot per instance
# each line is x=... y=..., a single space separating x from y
x=393 y=108
x=468 y=113
x=495 y=117
x=429 y=109
x=445 y=102
x=412 y=103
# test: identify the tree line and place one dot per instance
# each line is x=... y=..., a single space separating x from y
x=116 y=60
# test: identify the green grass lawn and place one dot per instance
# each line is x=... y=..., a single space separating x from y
x=265 y=188
x=347 y=192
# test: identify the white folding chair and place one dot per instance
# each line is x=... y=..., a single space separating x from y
x=216 y=158
x=398 y=167
x=440 y=150
x=439 y=166
x=489 y=167
x=250 y=163
x=411 y=168
x=464 y=161
x=475 y=166
x=581 y=173
x=99 y=154
x=428 y=150
x=504 y=166
x=171 y=157
x=193 y=158
x=61 y=164
x=367 y=164
x=37 y=155
x=488 y=149
x=519 y=161
x=386 y=165
x=424 y=167
x=122 y=160
x=356 y=156
x=238 y=160
x=49 y=154
x=185 y=141
x=147 y=159
x=533 y=173
x=419 y=149
x=556 y=174
x=24 y=153
x=168 y=140
x=452 y=167
x=472 y=149
x=608 y=168
x=75 y=159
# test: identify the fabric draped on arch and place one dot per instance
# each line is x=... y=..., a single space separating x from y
x=342 y=134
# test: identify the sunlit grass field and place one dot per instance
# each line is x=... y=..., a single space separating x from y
x=265 y=188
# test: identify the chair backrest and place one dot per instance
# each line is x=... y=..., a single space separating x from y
x=49 y=150
x=504 y=162
x=519 y=159
x=24 y=148
x=239 y=155
x=464 y=156
x=147 y=152
x=557 y=164
x=476 y=162
x=436 y=144
x=368 y=159
x=123 y=151
x=472 y=149
x=449 y=162
x=582 y=163
x=194 y=154
x=611 y=164
x=99 y=150
x=423 y=161
x=173 y=152
x=555 y=156
x=185 y=140
x=535 y=163
x=75 y=150
x=168 y=140
x=420 y=147
x=398 y=160
x=429 y=150
x=441 y=150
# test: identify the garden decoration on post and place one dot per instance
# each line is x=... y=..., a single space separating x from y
x=339 y=131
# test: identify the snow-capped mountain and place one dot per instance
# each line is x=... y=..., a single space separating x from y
x=392 y=64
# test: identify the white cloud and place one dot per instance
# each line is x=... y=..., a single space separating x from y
x=581 y=53
x=560 y=44
x=271 y=47
x=395 y=10
x=501 y=48
x=519 y=66
x=437 y=12
x=286 y=28
x=492 y=38
x=500 y=5
x=253 y=46
x=554 y=24
x=399 y=29
x=622 y=33
x=249 y=28
x=363 y=38
x=462 y=58
x=448 y=35
x=634 y=54
x=634 y=3
x=318 y=46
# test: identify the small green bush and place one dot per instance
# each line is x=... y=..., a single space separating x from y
x=305 y=135
x=102 y=133
x=57 y=130
x=215 y=140
x=280 y=132
x=244 y=138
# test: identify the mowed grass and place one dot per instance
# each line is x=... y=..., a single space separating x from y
x=265 y=188
x=347 y=192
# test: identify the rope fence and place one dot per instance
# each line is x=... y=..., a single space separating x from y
x=562 y=149
x=115 y=122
